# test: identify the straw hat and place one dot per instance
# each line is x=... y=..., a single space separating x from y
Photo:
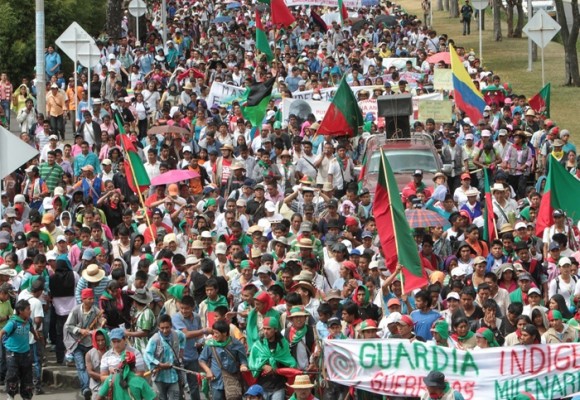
x=93 y=273
x=302 y=382
x=305 y=243
x=197 y=245
x=142 y=296
x=6 y=270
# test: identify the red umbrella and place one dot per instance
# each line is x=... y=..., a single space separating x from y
x=174 y=176
x=168 y=129
x=443 y=56
x=420 y=218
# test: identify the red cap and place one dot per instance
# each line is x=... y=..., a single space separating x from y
x=393 y=302
x=405 y=319
x=87 y=293
x=351 y=221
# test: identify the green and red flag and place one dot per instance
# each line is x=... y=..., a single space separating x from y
x=562 y=191
x=255 y=101
x=262 y=43
x=317 y=19
x=280 y=13
x=343 y=12
x=361 y=174
x=343 y=116
x=137 y=176
x=489 y=229
x=540 y=103
x=395 y=234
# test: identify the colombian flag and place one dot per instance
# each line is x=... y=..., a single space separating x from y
x=467 y=98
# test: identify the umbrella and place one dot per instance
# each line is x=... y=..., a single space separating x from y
x=386 y=20
x=173 y=176
x=419 y=218
x=233 y=5
x=224 y=19
x=357 y=25
x=493 y=88
x=168 y=129
x=438 y=57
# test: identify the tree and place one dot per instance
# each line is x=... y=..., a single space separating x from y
x=114 y=18
x=454 y=8
x=569 y=37
x=521 y=20
x=497 y=20
x=17 y=40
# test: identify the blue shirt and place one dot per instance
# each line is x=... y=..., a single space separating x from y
x=166 y=354
x=236 y=349
x=90 y=159
x=16 y=336
x=193 y=324
x=424 y=322
x=404 y=308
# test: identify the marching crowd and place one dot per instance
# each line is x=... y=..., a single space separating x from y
x=272 y=246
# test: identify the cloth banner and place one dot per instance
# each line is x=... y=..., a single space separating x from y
x=222 y=93
x=355 y=4
x=396 y=368
x=328 y=93
x=302 y=108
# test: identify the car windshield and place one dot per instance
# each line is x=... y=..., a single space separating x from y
x=405 y=160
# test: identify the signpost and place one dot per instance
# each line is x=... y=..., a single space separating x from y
x=137 y=8
x=480 y=5
x=75 y=42
x=541 y=29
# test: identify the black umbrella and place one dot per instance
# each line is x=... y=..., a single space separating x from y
x=386 y=20
x=359 y=24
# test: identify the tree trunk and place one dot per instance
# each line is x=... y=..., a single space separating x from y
x=454 y=8
x=510 y=18
x=482 y=16
x=569 y=38
x=446 y=5
x=114 y=18
x=520 y=24
x=439 y=5
x=497 y=20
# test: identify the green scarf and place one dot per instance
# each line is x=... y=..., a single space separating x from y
x=343 y=163
x=263 y=164
x=176 y=291
x=215 y=343
x=261 y=355
x=458 y=338
x=297 y=335
x=252 y=329
x=108 y=296
x=213 y=304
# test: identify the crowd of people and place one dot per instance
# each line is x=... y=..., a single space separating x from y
x=272 y=247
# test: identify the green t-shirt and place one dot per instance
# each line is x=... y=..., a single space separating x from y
x=145 y=322
x=6 y=311
x=138 y=386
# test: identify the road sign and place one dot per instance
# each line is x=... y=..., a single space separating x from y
x=13 y=152
x=89 y=55
x=480 y=4
x=72 y=39
x=137 y=8
x=541 y=28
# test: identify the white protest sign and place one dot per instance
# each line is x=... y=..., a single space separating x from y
x=221 y=92
x=442 y=79
x=328 y=93
x=355 y=4
x=397 y=368
x=417 y=99
x=302 y=108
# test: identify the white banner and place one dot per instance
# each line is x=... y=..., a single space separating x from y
x=220 y=93
x=302 y=108
x=397 y=367
x=328 y=93
x=356 y=4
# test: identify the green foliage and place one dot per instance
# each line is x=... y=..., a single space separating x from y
x=17 y=31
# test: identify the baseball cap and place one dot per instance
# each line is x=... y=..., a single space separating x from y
x=524 y=277
x=270 y=206
x=60 y=238
x=406 y=320
x=333 y=321
x=88 y=254
x=20 y=237
x=393 y=318
x=418 y=172
x=117 y=334
x=452 y=295
x=554 y=246
x=4 y=237
x=393 y=302
x=534 y=290
x=221 y=248
x=254 y=390
x=564 y=261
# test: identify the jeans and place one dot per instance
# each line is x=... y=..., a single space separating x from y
x=2 y=363
x=79 y=357
x=466 y=26
x=168 y=391
x=19 y=372
x=218 y=394
x=36 y=365
x=277 y=395
x=6 y=106
x=192 y=365
x=57 y=125
x=59 y=343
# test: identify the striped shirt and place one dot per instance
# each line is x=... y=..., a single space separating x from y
x=52 y=174
x=5 y=91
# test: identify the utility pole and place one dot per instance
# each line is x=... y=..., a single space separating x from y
x=40 y=74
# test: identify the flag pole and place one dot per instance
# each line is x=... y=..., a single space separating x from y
x=140 y=194
x=391 y=209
